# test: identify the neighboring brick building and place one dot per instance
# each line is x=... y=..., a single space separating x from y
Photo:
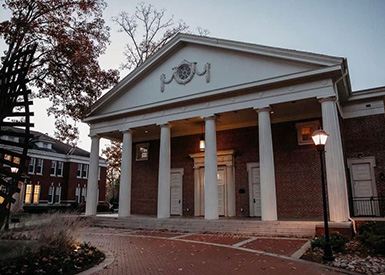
x=255 y=107
x=56 y=174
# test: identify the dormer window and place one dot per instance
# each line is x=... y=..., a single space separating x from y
x=10 y=138
x=42 y=144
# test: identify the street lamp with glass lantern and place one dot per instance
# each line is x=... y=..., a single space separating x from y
x=320 y=137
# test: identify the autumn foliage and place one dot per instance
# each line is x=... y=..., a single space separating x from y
x=71 y=36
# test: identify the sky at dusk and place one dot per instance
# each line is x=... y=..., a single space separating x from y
x=354 y=29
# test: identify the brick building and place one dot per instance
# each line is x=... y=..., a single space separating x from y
x=255 y=109
x=56 y=174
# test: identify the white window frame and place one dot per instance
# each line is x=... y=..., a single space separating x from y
x=37 y=166
x=60 y=167
x=85 y=169
x=53 y=166
x=32 y=163
x=78 y=192
x=315 y=124
x=84 y=194
x=51 y=192
x=79 y=171
x=36 y=186
x=28 y=186
x=58 y=193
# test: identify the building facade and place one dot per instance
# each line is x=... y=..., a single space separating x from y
x=55 y=176
x=254 y=108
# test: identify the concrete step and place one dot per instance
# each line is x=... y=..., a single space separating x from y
x=275 y=228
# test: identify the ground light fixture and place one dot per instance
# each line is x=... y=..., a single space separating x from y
x=14 y=170
x=320 y=138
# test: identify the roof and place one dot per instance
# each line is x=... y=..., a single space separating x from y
x=57 y=146
x=182 y=39
x=368 y=93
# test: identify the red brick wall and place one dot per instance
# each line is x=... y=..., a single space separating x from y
x=102 y=184
x=45 y=180
x=69 y=181
x=297 y=171
x=73 y=181
x=365 y=136
x=298 y=175
x=144 y=188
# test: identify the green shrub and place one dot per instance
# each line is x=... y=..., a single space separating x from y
x=372 y=235
x=337 y=242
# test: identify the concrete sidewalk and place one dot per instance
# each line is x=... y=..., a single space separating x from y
x=154 y=252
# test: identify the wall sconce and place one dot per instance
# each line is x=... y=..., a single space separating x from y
x=202 y=143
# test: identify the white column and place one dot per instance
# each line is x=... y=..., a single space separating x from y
x=125 y=176
x=211 y=170
x=92 y=184
x=164 y=203
x=266 y=163
x=335 y=165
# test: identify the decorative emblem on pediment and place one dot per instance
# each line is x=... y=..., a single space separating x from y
x=184 y=72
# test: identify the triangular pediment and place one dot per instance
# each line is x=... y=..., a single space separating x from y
x=191 y=67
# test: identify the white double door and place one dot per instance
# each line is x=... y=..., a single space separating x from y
x=254 y=189
x=364 y=187
x=222 y=183
x=176 y=192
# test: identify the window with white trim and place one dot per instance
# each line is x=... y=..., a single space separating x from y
x=84 y=193
x=39 y=166
x=36 y=193
x=77 y=193
x=28 y=193
x=16 y=160
x=53 y=168
x=58 y=194
x=59 y=169
x=51 y=192
x=79 y=172
x=305 y=130
x=85 y=171
x=31 y=166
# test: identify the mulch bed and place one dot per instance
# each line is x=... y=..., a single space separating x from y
x=355 y=258
x=53 y=260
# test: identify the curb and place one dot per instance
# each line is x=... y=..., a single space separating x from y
x=107 y=261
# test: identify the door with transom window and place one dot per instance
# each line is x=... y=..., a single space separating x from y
x=221 y=179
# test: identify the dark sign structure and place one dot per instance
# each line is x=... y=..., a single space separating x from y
x=14 y=112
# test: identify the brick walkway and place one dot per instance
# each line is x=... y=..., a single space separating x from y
x=144 y=252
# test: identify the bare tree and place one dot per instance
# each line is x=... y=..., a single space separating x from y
x=148 y=30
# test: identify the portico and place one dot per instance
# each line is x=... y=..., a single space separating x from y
x=244 y=110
